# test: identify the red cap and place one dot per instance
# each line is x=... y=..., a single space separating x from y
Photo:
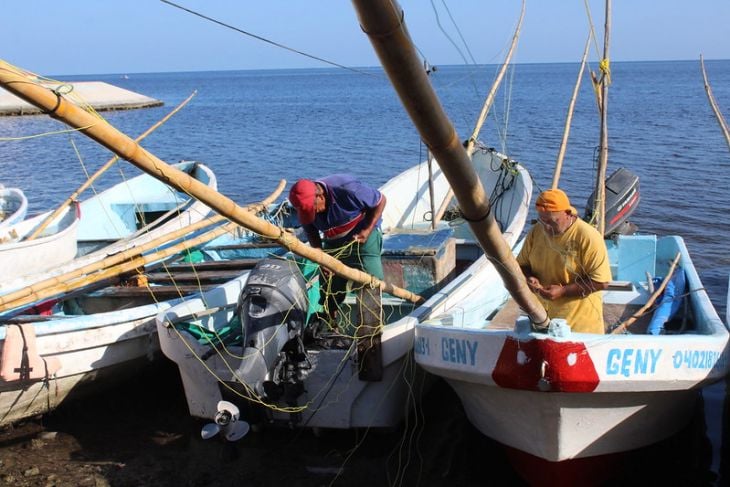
x=302 y=196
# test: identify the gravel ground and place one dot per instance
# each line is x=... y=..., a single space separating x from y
x=140 y=434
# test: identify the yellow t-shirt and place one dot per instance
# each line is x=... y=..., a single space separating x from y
x=579 y=253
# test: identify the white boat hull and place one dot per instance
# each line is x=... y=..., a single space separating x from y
x=581 y=395
x=52 y=248
x=90 y=351
x=333 y=394
x=108 y=223
x=13 y=208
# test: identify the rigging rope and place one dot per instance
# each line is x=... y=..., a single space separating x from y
x=263 y=39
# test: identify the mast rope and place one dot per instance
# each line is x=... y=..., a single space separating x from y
x=263 y=39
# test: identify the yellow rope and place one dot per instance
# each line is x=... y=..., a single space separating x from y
x=605 y=70
x=44 y=134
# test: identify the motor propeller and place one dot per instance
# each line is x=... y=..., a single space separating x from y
x=226 y=421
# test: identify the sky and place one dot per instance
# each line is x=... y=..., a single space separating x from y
x=141 y=36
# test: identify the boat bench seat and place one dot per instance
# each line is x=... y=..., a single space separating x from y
x=421 y=261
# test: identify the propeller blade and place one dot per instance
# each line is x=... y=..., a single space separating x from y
x=209 y=431
x=236 y=431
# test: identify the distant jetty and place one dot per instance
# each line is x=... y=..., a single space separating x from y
x=99 y=95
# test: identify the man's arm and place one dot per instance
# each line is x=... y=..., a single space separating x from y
x=371 y=218
x=532 y=282
x=313 y=236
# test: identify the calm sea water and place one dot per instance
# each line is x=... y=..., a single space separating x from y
x=256 y=127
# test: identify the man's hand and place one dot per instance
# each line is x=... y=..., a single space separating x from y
x=552 y=292
x=363 y=235
x=534 y=284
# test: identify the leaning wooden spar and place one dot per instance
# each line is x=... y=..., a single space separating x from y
x=55 y=105
x=383 y=22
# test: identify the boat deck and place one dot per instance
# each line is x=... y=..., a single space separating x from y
x=613 y=314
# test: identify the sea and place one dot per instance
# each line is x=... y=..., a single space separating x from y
x=254 y=128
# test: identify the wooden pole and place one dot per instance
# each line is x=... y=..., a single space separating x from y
x=713 y=104
x=431 y=196
x=113 y=271
x=384 y=24
x=628 y=322
x=55 y=105
x=74 y=196
x=600 y=191
x=569 y=117
x=119 y=257
x=485 y=110
x=498 y=81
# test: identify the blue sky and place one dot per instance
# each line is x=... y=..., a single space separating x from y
x=133 y=36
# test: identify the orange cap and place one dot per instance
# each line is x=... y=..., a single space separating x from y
x=554 y=200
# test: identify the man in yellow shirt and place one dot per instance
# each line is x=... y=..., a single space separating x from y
x=566 y=265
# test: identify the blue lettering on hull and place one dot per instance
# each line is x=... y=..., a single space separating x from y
x=459 y=351
x=422 y=346
x=695 y=359
x=632 y=361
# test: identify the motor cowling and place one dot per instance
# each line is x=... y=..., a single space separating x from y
x=273 y=309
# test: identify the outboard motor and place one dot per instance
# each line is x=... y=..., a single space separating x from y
x=622 y=198
x=273 y=311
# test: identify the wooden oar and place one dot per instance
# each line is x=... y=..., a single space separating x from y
x=101 y=170
x=628 y=322
x=35 y=289
x=569 y=117
x=485 y=111
x=713 y=104
x=101 y=131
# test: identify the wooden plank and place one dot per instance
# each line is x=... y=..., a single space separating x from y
x=214 y=265
x=249 y=245
x=612 y=314
x=160 y=292
x=193 y=277
x=506 y=317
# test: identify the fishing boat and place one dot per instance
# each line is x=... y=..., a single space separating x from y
x=562 y=395
x=567 y=402
x=13 y=207
x=122 y=217
x=100 y=334
x=56 y=245
x=249 y=343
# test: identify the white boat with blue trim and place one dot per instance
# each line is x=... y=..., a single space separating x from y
x=13 y=208
x=248 y=346
x=123 y=217
x=93 y=338
x=562 y=395
x=56 y=245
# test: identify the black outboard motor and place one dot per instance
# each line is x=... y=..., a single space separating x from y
x=622 y=198
x=273 y=311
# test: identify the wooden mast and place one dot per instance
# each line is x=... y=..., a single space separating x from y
x=55 y=105
x=713 y=104
x=600 y=192
x=384 y=24
x=569 y=117
x=489 y=100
